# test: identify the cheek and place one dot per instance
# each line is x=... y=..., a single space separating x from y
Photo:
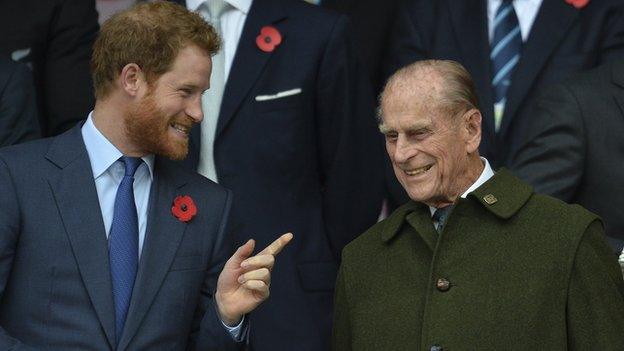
x=390 y=150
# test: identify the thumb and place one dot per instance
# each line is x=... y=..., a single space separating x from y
x=241 y=254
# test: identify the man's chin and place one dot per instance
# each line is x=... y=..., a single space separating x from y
x=176 y=153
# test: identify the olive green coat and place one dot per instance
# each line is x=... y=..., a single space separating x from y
x=526 y=272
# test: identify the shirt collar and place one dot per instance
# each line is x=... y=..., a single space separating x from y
x=102 y=153
x=486 y=174
x=241 y=5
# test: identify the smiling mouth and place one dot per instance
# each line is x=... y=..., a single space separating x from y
x=417 y=171
x=182 y=129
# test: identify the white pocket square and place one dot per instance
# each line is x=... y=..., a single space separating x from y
x=279 y=95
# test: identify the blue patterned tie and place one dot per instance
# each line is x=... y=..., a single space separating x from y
x=506 y=46
x=440 y=216
x=123 y=244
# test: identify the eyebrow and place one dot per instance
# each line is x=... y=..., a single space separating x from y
x=383 y=128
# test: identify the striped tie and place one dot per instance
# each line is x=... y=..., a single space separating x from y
x=506 y=45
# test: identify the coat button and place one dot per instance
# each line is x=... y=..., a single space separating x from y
x=443 y=284
x=436 y=348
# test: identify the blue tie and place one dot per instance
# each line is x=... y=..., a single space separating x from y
x=506 y=46
x=440 y=215
x=123 y=244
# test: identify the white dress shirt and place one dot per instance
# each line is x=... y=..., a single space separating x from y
x=526 y=11
x=108 y=171
x=232 y=22
x=486 y=174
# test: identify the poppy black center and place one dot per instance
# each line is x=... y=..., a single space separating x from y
x=267 y=39
x=183 y=207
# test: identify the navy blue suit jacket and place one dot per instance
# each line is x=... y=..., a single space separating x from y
x=307 y=163
x=55 y=282
x=563 y=40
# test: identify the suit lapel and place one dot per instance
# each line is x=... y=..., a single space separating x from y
x=76 y=197
x=551 y=24
x=249 y=60
x=469 y=20
x=162 y=237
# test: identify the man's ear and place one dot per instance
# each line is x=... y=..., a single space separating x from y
x=132 y=79
x=472 y=128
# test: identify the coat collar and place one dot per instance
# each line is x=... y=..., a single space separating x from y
x=503 y=195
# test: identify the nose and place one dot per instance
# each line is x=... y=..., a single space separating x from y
x=194 y=110
x=403 y=150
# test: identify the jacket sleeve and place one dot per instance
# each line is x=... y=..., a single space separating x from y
x=554 y=153
x=9 y=234
x=67 y=87
x=349 y=143
x=18 y=108
x=595 y=307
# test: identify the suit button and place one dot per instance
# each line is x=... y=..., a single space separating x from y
x=436 y=348
x=443 y=284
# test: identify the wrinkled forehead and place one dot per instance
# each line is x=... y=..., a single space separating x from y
x=418 y=94
x=415 y=106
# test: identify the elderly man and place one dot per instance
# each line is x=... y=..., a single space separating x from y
x=105 y=243
x=476 y=260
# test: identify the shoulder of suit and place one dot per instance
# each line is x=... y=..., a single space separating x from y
x=26 y=153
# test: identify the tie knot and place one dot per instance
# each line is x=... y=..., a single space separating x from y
x=216 y=8
x=131 y=164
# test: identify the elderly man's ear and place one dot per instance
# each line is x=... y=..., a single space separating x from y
x=472 y=129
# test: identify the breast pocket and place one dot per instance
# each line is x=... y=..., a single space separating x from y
x=285 y=99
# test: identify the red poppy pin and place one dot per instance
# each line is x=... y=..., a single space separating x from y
x=184 y=208
x=579 y=4
x=268 y=38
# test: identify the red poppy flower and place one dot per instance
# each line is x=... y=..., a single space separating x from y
x=184 y=208
x=268 y=38
x=579 y=4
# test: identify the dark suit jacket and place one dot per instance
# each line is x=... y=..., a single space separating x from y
x=54 y=38
x=18 y=111
x=563 y=40
x=371 y=24
x=575 y=149
x=306 y=163
x=55 y=280
x=527 y=272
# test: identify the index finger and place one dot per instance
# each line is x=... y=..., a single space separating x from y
x=275 y=247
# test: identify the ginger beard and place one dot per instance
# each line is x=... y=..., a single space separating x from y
x=149 y=128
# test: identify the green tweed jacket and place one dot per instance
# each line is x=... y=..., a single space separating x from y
x=512 y=270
